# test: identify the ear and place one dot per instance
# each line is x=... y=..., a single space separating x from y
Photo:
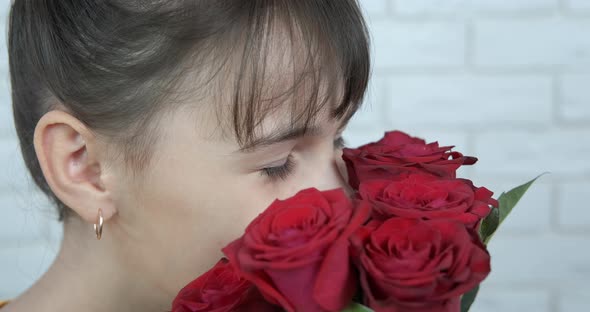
x=73 y=164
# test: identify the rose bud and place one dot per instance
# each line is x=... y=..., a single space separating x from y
x=418 y=265
x=397 y=152
x=221 y=289
x=297 y=251
x=428 y=197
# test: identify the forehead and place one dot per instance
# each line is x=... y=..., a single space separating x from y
x=287 y=89
x=275 y=80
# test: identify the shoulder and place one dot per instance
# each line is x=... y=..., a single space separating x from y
x=3 y=302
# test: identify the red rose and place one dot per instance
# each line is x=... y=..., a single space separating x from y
x=221 y=289
x=297 y=251
x=398 y=152
x=418 y=265
x=428 y=197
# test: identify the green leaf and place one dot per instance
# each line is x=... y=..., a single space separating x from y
x=510 y=199
x=356 y=307
x=507 y=201
x=468 y=298
x=489 y=225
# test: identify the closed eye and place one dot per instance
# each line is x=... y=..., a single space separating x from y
x=283 y=171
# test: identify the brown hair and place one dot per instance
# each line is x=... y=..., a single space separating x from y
x=118 y=64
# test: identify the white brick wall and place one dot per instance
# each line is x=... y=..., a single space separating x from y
x=580 y=5
x=575 y=96
x=466 y=100
x=507 y=81
x=418 y=44
x=573 y=205
x=550 y=42
x=513 y=301
x=414 y=7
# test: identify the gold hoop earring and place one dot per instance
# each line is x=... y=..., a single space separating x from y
x=98 y=228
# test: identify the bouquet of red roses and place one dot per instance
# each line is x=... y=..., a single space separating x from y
x=411 y=238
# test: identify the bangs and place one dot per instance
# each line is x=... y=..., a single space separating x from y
x=290 y=58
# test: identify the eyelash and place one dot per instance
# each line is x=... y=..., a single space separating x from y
x=282 y=172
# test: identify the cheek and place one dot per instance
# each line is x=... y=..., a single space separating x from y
x=207 y=215
x=186 y=222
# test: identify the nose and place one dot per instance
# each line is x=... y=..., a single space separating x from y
x=329 y=173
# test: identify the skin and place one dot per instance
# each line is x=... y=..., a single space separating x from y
x=165 y=229
x=168 y=226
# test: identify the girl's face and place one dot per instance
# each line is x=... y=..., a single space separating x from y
x=201 y=190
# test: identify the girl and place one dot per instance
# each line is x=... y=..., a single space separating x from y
x=161 y=128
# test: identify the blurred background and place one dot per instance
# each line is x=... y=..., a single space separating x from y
x=507 y=81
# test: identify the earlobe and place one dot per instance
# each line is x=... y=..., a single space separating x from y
x=71 y=162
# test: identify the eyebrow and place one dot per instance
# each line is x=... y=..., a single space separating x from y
x=282 y=136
